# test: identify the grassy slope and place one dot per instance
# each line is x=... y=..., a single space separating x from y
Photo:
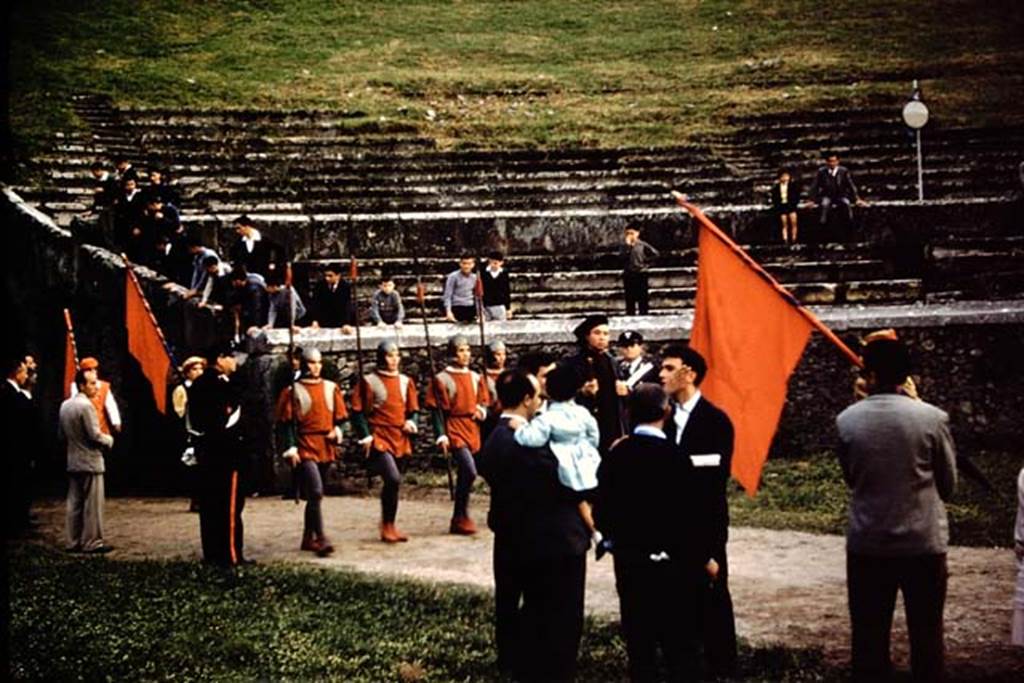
x=94 y=619
x=533 y=72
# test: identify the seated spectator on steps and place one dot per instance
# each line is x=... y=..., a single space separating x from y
x=833 y=187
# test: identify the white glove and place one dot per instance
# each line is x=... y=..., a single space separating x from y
x=442 y=440
x=411 y=427
x=292 y=452
x=366 y=440
x=337 y=434
x=189 y=457
x=481 y=412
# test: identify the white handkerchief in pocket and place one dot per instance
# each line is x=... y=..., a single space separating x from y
x=706 y=460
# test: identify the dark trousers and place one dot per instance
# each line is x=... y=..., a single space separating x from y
x=466 y=475
x=385 y=465
x=538 y=612
x=842 y=202
x=220 y=517
x=658 y=607
x=636 y=292
x=464 y=314
x=311 y=488
x=717 y=622
x=872 y=583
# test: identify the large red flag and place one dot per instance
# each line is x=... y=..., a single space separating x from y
x=145 y=340
x=752 y=333
x=70 y=354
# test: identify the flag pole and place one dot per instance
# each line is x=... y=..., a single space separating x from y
x=130 y=269
x=71 y=335
x=714 y=230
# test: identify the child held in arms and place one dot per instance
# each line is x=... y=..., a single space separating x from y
x=572 y=434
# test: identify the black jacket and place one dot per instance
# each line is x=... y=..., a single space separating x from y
x=331 y=309
x=792 y=197
x=211 y=402
x=259 y=260
x=708 y=431
x=497 y=291
x=529 y=506
x=605 y=406
x=835 y=187
x=648 y=502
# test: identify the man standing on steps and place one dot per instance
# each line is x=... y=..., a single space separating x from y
x=898 y=459
x=310 y=413
x=637 y=255
x=384 y=410
x=79 y=429
x=331 y=305
x=703 y=434
x=540 y=546
x=459 y=292
x=461 y=394
x=833 y=187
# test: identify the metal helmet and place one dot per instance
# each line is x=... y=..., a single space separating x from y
x=492 y=348
x=310 y=355
x=383 y=349
x=455 y=342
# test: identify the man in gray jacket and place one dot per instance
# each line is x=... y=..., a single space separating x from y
x=79 y=427
x=898 y=459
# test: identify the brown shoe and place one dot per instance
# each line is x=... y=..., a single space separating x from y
x=462 y=526
x=390 y=534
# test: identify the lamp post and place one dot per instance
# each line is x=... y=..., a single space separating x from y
x=915 y=115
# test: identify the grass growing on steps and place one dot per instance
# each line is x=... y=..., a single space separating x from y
x=536 y=73
x=101 y=619
x=810 y=495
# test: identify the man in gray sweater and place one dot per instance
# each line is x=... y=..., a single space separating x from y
x=79 y=428
x=898 y=459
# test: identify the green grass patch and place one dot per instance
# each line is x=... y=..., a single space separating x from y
x=526 y=73
x=100 y=619
x=810 y=495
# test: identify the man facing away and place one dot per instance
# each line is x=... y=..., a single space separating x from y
x=79 y=428
x=898 y=459
x=703 y=434
x=540 y=546
x=647 y=506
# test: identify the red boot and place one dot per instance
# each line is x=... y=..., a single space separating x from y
x=390 y=534
x=462 y=526
x=325 y=547
x=309 y=542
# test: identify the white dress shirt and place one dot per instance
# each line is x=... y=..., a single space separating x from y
x=681 y=415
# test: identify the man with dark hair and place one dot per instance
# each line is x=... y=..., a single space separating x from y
x=384 y=410
x=459 y=400
x=898 y=459
x=540 y=545
x=596 y=368
x=310 y=413
x=249 y=297
x=331 y=305
x=460 y=292
x=129 y=208
x=160 y=185
x=703 y=434
x=79 y=429
x=283 y=302
x=636 y=255
x=497 y=291
x=105 y=189
x=22 y=442
x=251 y=249
x=214 y=409
x=648 y=507
x=199 y=254
x=634 y=365
x=833 y=186
x=125 y=169
x=386 y=304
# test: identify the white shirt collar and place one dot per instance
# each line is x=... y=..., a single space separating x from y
x=689 y=403
x=495 y=272
x=15 y=385
x=649 y=430
x=251 y=239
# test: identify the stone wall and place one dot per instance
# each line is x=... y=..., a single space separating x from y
x=969 y=357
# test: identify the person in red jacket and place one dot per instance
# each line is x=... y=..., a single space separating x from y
x=461 y=396
x=384 y=408
x=310 y=413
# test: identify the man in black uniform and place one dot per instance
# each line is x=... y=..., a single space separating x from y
x=214 y=411
x=646 y=506
x=596 y=369
x=540 y=546
x=703 y=434
x=633 y=365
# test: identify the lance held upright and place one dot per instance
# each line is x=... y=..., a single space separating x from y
x=310 y=414
x=384 y=409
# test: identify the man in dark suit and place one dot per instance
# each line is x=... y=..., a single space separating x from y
x=540 y=546
x=23 y=441
x=833 y=186
x=214 y=412
x=647 y=506
x=252 y=250
x=331 y=305
x=703 y=434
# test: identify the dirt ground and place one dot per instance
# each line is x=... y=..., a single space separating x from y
x=788 y=587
